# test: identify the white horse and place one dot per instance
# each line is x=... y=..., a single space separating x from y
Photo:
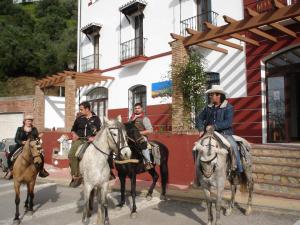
x=211 y=170
x=95 y=169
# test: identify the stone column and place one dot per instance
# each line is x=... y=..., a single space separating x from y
x=70 y=101
x=180 y=115
x=39 y=109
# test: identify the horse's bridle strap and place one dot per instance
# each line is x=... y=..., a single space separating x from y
x=209 y=161
x=100 y=149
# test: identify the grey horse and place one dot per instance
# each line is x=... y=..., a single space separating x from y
x=95 y=169
x=212 y=166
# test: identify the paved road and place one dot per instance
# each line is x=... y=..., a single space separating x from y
x=59 y=205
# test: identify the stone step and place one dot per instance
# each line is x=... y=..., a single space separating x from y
x=292 y=162
x=274 y=188
x=276 y=153
x=277 y=170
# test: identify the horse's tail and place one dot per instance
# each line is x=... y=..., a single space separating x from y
x=243 y=183
x=164 y=170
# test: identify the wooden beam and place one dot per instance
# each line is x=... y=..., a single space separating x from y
x=213 y=47
x=177 y=37
x=219 y=40
x=274 y=25
x=278 y=4
x=245 y=24
x=254 y=30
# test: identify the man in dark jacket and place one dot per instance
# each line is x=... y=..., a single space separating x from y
x=84 y=129
x=219 y=114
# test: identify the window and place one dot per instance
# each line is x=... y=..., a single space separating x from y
x=137 y=94
x=212 y=78
x=98 y=99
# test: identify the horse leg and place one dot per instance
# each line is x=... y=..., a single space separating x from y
x=91 y=200
x=27 y=199
x=155 y=176
x=133 y=195
x=250 y=189
x=17 y=202
x=122 y=178
x=102 y=200
x=209 y=206
x=31 y=196
x=220 y=189
x=86 y=208
x=164 y=173
x=232 y=200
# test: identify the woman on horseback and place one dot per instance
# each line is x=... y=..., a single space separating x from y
x=22 y=135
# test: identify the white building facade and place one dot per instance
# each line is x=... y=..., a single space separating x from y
x=129 y=40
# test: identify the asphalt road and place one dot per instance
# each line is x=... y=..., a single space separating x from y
x=60 y=205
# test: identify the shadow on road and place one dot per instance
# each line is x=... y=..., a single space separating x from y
x=48 y=194
x=171 y=208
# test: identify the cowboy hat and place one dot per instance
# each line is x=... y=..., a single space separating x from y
x=28 y=117
x=216 y=89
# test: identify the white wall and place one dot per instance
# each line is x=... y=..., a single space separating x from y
x=161 y=19
x=54 y=112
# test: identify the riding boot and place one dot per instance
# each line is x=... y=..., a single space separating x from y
x=43 y=173
x=9 y=175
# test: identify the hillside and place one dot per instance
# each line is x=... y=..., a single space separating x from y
x=36 y=39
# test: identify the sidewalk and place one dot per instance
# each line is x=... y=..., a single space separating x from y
x=185 y=193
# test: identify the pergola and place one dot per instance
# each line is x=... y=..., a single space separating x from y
x=256 y=23
x=236 y=28
x=71 y=80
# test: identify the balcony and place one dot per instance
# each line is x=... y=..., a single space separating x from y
x=133 y=51
x=262 y=6
x=197 y=22
x=90 y=62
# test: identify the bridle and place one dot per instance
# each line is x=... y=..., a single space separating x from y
x=208 y=162
x=31 y=153
x=118 y=143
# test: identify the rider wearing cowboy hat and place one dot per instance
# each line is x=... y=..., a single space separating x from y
x=23 y=134
x=219 y=115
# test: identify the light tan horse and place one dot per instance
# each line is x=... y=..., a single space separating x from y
x=25 y=170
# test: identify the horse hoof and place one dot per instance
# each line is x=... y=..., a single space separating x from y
x=16 y=222
x=29 y=213
x=106 y=222
x=209 y=223
x=149 y=197
x=119 y=206
x=228 y=212
x=163 y=197
x=133 y=215
x=248 y=211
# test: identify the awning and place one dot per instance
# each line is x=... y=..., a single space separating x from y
x=132 y=7
x=81 y=79
x=91 y=29
x=236 y=28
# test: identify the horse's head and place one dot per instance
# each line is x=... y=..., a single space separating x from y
x=135 y=138
x=35 y=146
x=208 y=149
x=117 y=137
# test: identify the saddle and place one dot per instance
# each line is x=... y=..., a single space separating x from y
x=154 y=151
x=243 y=147
x=81 y=150
x=16 y=154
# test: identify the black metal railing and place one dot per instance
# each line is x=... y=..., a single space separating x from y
x=197 y=22
x=262 y=6
x=133 y=48
x=90 y=62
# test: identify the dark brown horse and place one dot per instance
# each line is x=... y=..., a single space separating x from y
x=136 y=143
x=25 y=170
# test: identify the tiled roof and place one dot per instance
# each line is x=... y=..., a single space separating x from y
x=131 y=3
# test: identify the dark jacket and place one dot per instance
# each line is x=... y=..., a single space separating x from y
x=220 y=117
x=84 y=127
x=22 y=135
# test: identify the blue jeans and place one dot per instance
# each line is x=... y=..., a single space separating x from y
x=236 y=151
